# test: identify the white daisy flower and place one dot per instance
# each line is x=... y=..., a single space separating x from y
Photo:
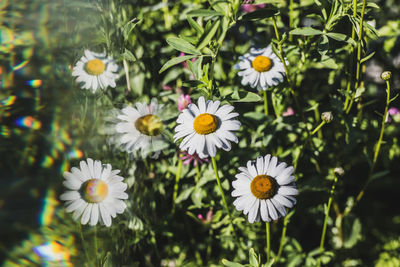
x=264 y=189
x=260 y=68
x=206 y=127
x=95 y=192
x=140 y=128
x=95 y=70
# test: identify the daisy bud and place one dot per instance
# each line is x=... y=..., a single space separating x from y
x=386 y=75
x=327 y=116
x=339 y=171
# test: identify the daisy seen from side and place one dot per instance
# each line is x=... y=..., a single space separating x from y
x=95 y=192
x=260 y=68
x=95 y=71
x=206 y=127
x=140 y=128
x=264 y=189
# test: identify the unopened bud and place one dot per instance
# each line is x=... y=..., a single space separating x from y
x=386 y=75
x=327 y=116
x=339 y=171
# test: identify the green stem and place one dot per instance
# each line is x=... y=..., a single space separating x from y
x=268 y=237
x=318 y=127
x=83 y=242
x=197 y=177
x=176 y=186
x=265 y=103
x=126 y=69
x=322 y=242
x=214 y=163
x=377 y=147
x=283 y=236
x=96 y=251
x=358 y=57
x=281 y=56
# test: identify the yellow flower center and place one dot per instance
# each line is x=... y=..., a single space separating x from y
x=262 y=64
x=263 y=187
x=95 y=190
x=205 y=123
x=95 y=67
x=149 y=125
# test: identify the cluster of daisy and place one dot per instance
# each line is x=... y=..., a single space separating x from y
x=264 y=188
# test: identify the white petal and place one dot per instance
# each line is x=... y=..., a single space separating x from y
x=86 y=214
x=252 y=169
x=85 y=170
x=287 y=190
x=97 y=169
x=72 y=184
x=283 y=200
x=105 y=215
x=94 y=217
x=264 y=211
x=272 y=165
x=70 y=195
x=73 y=205
x=81 y=206
x=260 y=165
x=284 y=177
x=279 y=207
x=278 y=170
x=202 y=105
x=272 y=210
x=254 y=211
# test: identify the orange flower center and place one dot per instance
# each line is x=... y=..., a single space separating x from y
x=263 y=186
x=205 y=123
x=262 y=64
x=95 y=190
x=95 y=67
x=149 y=125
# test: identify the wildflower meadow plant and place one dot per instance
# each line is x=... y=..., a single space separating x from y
x=225 y=133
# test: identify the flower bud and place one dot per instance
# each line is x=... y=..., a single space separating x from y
x=327 y=116
x=339 y=171
x=386 y=75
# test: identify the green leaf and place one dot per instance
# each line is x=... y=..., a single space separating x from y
x=128 y=55
x=183 y=46
x=341 y=37
x=203 y=13
x=244 y=96
x=194 y=25
x=193 y=83
x=367 y=57
x=231 y=263
x=174 y=61
x=379 y=174
x=207 y=36
x=323 y=45
x=306 y=31
x=253 y=258
x=260 y=14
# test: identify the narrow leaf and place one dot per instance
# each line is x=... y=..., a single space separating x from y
x=174 y=61
x=367 y=57
x=203 y=13
x=194 y=25
x=209 y=35
x=341 y=37
x=183 y=46
x=307 y=31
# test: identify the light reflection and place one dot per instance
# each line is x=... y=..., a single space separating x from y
x=28 y=122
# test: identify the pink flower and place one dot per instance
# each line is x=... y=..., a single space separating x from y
x=288 y=112
x=184 y=62
x=183 y=101
x=166 y=87
x=393 y=113
x=250 y=7
x=208 y=218
x=187 y=158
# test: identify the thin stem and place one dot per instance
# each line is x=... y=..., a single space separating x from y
x=214 y=163
x=96 y=251
x=176 y=186
x=126 y=69
x=353 y=35
x=197 y=177
x=377 y=147
x=268 y=237
x=322 y=242
x=358 y=57
x=281 y=57
x=83 y=242
x=283 y=236
x=265 y=103
x=318 y=127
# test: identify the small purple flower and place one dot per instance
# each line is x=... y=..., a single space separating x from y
x=288 y=112
x=250 y=7
x=183 y=101
x=187 y=158
x=393 y=113
x=208 y=218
